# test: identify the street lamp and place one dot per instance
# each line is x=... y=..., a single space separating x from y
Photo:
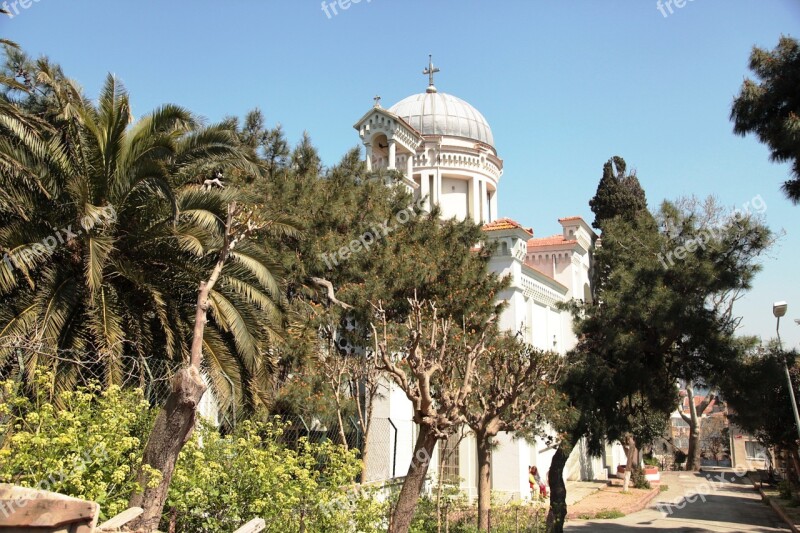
x=779 y=310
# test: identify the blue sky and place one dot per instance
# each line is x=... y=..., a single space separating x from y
x=564 y=84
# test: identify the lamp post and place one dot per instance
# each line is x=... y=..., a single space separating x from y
x=779 y=310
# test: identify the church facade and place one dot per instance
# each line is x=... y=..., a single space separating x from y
x=445 y=150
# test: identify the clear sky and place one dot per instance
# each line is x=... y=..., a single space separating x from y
x=564 y=84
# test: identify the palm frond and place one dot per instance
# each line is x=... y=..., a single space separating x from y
x=98 y=250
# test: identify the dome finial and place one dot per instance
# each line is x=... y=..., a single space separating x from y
x=430 y=71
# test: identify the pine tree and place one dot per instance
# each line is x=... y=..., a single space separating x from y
x=770 y=106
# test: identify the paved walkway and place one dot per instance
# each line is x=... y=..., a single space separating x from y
x=695 y=504
x=578 y=490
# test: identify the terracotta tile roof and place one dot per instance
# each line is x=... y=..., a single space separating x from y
x=567 y=219
x=553 y=240
x=505 y=223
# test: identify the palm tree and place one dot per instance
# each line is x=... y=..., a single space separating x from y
x=105 y=233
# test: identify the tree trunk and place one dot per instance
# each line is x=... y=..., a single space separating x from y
x=439 y=486
x=364 y=458
x=693 y=457
x=412 y=485
x=173 y=427
x=558 y=492
x=365 y=424
x=340 y=421
x=484 y=480
x=175 y=422
x=631 y=459
x=793 y=453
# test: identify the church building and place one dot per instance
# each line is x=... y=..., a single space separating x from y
x=445 y=150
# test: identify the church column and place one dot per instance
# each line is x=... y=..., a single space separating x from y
x=392 y=155
x=368 y=147
x=484 y=203
x=436 y=194
x=474 y=208
x=410 y=166
x=425 y=189
x=493 y=203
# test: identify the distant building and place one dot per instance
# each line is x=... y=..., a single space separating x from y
x=747 y=452
x=714 y=429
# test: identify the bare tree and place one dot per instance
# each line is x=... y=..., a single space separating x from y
x=715 y=438
x=336 y=371
x=511 y=390
x=434 y=363
x=354 y=380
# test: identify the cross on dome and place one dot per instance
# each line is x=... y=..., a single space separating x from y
x=430 y=71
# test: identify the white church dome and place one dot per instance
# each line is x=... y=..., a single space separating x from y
x=435 y=113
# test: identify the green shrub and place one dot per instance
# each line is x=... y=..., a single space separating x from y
x=89 y=447
x=88 y=443
x=651 y=461
x=639 y=480
x=609 y=514
x=228 y=480
x=462 y=517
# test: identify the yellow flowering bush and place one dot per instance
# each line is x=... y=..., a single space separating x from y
x=85 y=443
x=88 y=443
x=221 y=482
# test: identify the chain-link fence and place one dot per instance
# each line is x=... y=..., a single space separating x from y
x=381 y=451
x=378 y=450
x=383 y=454
x=73 y=369
x=450 y=515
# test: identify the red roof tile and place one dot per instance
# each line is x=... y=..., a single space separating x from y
x=553 y=240
x=505 y=223
x=567 y=219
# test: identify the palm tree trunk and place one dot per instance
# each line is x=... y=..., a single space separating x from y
x=484 y=480
x=412 y=486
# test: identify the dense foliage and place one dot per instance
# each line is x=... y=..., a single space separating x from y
x=665 y=285
x=223 y=482
x=619 y=193
x=106 y=232
x=89 y=448
x=757 y=393
x=770 y=106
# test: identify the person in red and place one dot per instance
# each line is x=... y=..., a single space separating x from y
x=535 y=479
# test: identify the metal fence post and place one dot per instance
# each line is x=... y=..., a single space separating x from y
x=394 y=454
